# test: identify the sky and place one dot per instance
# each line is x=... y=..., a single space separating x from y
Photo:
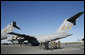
x=42 y=17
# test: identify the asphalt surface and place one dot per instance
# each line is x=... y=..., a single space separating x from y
x=67 y=49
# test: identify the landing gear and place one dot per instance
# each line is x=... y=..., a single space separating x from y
x=12 y=42
x=20 y=41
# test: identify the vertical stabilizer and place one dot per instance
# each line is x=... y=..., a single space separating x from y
x=10 y=27
x=68 y=23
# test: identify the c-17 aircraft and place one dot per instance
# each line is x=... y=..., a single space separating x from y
x=62 y=32
x=8 y=29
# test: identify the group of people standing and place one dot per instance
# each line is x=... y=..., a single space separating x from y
x=51 y=45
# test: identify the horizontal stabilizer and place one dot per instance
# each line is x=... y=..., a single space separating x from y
x=74 y=18
x=14 y=25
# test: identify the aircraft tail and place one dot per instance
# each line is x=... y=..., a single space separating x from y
x=10 y=27
x=68 y=23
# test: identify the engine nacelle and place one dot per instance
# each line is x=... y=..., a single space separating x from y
x=12 y=38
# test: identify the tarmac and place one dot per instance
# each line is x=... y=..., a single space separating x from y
x=66 y=49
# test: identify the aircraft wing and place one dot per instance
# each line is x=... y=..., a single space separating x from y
x=30 y=39
x=26 y=37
